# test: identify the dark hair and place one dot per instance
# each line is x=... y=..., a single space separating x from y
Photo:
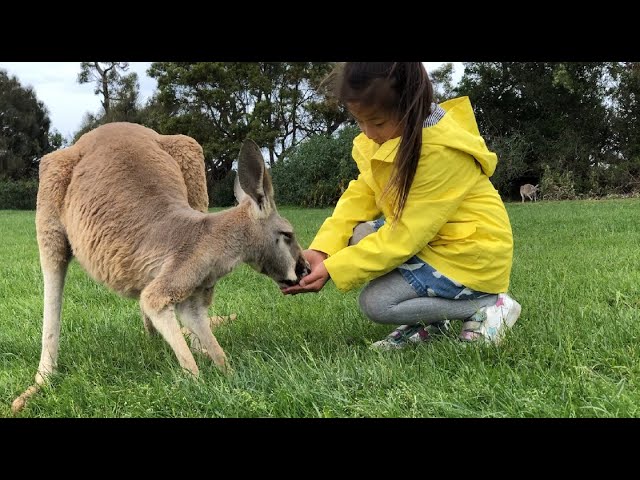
x=402 y=89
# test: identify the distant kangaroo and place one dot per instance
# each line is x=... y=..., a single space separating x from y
x=131 y=206
x=529 y=190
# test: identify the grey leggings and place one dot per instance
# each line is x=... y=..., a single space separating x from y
x=390 y=299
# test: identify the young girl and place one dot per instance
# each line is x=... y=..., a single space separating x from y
x=443 y=247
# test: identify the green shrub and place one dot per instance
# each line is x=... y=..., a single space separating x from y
x=18 y=194
x=620 y=177
x=557 y=185
x=317 y=172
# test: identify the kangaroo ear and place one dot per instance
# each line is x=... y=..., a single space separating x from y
x=267 y=185
x=251 y=179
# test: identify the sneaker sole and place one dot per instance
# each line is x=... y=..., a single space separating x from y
x=387 y=346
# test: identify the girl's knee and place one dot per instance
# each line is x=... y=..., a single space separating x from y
x=372 y=307
x=362 y=230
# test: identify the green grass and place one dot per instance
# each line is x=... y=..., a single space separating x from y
x=573 y=353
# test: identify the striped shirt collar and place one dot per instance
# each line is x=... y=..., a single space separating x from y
x=437 y=112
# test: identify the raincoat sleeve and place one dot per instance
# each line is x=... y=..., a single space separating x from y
x=442 y=181
x=357 y=204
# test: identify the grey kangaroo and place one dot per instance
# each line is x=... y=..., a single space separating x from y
x=131 y=206
x=530 y=191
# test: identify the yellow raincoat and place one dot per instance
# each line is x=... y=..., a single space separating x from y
x=453 y=219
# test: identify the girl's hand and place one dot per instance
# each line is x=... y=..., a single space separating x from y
x=316 y=279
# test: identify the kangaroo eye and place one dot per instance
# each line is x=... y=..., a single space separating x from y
x=288 y=236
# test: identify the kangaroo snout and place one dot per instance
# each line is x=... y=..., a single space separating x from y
x=302 y=268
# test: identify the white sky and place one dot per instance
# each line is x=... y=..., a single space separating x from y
x=55 y=85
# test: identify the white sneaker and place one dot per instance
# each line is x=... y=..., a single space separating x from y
x=491 y=323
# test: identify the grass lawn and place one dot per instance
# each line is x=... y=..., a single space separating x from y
x=573 y=353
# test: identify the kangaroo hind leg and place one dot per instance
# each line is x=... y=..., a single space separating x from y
x=55 y=254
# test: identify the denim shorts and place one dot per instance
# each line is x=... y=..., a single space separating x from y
x=428 y=282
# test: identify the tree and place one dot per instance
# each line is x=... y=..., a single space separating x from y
x=556 y=113
x=56 y=140
x=24 y=129
x=125 y=107
x=289 y=107
x=623 y=168
x=106 y=77
x=119 y=92
x=442 y=81
x=220 y=104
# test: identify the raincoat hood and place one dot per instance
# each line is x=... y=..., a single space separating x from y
x=458 y=129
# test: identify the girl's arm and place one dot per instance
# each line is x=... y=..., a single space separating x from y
x=357 y=204
x=441 y=183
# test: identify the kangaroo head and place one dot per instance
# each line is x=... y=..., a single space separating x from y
x=272 y=246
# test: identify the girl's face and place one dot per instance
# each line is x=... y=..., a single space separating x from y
x=376 y=125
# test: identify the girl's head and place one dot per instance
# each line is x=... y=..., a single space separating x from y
x=388 y=100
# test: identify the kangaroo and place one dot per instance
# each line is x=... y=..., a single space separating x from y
x=131 y=206
x=528 y=190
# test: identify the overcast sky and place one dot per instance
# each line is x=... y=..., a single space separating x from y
x=55 y=85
